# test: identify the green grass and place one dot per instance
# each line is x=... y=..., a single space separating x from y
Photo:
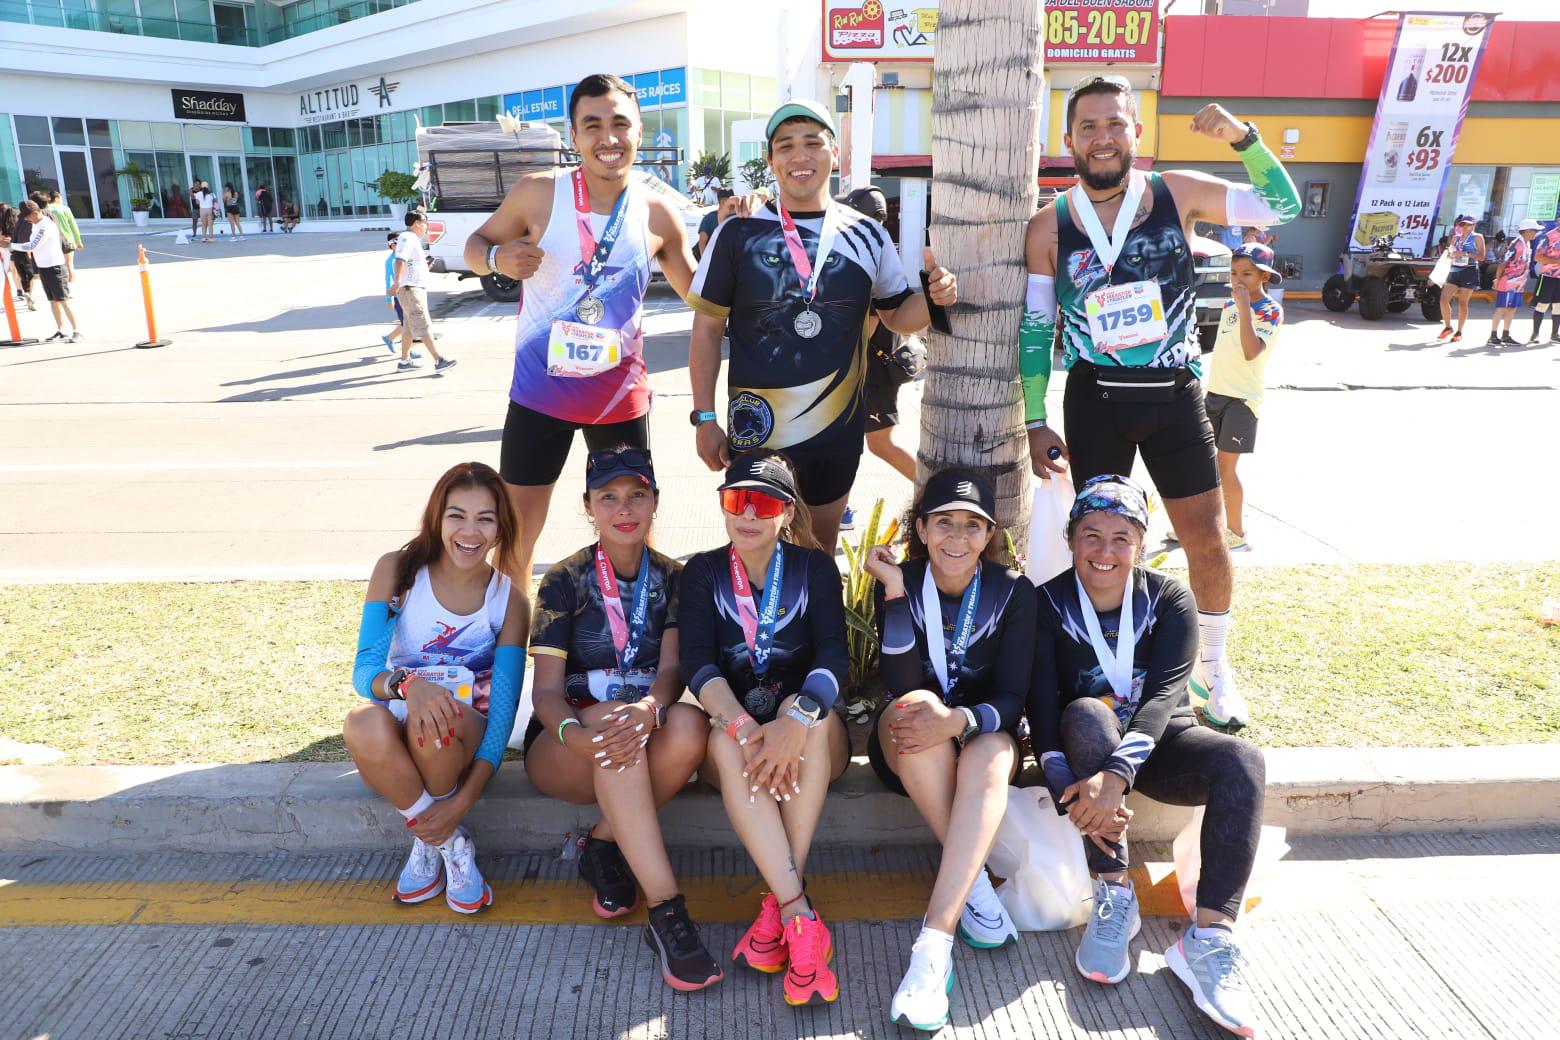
x=1432 y=655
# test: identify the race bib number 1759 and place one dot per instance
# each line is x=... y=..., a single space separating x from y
x=1124 y=316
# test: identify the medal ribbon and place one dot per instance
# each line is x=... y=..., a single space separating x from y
x=593 y=254
x=758 y=626
x=949 y=662
x=1116 y=666
x=1109 y=248
x=626 y=632
x=808 y=271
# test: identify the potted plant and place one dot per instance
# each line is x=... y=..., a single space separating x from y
x=398 y=189
x=139 y=181
x=708 y=170
x=757 y=175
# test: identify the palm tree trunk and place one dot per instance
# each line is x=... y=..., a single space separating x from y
x=987 y=91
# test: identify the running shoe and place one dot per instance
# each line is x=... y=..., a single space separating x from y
x=762 y=946
x=1457 y=337
x=1214 y=970
x=1554 y=337
x=57 y=335
x=1236 y=542
x=1493 y=341
x=1507 y=341
x=464 y=891
x=389 y=343
x=603 y=867
x=75 y=336
x=848 y=520
x=985 y=923
x=443 y=363
x=686 y=963
x=405 y=366
x=921 y=1002
x=1104 y=953
x=808 y=977
x=1447 y=331
x=1221 y=699
x=423 y=876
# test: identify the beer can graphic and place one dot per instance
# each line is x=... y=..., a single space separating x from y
x=1392 y=154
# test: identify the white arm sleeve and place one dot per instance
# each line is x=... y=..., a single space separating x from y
x=1040 y=296
x=1243 y=206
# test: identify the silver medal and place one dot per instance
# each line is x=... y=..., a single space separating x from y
x=807 y=324
x=591 y=310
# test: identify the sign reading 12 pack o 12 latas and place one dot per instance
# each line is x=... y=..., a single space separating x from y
x=208 y=104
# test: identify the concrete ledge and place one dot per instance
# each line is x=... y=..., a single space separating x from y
x=323 y=807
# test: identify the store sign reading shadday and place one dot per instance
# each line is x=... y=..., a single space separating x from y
x=208 y=104
x=1077 y=32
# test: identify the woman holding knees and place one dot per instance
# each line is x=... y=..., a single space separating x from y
x=607 y=727
x=440 y=662
x=763 y=643
x=945 y=736
x=1108 y=714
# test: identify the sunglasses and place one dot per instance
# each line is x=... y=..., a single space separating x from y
x=609 y=458
x=766 y=507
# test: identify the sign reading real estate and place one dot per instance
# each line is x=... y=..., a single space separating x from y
x=1424 y=99
x=1077 y=32
x=209 y=105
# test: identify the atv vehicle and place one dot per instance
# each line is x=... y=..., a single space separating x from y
x=1385 y=281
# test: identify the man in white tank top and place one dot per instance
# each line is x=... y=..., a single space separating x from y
x=580 y=241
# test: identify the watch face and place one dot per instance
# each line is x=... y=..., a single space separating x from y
x=808 y=706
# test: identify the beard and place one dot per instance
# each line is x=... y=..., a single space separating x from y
x=1100 y=180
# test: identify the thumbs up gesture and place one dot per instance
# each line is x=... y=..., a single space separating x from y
x=521 y=257
x=941 y=285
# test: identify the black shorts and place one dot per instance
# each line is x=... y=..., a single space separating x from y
x=26 y=270
x=1463 y=278
x=1548 y=290
x=826 y=478
x=881 y=397
x=1173 y=436
x=1234 y=424
x=55 y=288
x=233 y=211
x=875 y=754
x=536 y=445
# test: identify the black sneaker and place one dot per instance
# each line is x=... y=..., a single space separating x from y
x=603 y=867
x=1493 y=341
x=686 y=964
x=1507 y=341
x=57 y=335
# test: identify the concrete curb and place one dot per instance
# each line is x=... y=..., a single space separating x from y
x=324 y=807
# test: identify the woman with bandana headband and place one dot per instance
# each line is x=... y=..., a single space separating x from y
x=1108 y=714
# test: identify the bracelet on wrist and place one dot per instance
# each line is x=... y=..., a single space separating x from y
x=565 y=724
x=735 y=725
x=1035 y=424
x=492 y=255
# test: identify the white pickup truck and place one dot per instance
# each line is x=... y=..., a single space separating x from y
x=468 y=167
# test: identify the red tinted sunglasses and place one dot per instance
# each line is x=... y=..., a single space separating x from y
x=766 y=507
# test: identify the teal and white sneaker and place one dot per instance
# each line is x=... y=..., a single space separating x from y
x=423 y=876
x=1213 y=685
x=921 y=1002
x=985 y=923
x=466 y=892
x=1104 y=954
x=1214 y=970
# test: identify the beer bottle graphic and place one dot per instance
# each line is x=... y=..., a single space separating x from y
x=1409 y=88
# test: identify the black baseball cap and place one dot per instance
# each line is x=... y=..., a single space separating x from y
x=953 y=489
x=605 y=466
x=764 y=473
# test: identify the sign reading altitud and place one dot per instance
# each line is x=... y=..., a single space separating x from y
x=1077 y=32
x=208 y=104
x=1424 y=99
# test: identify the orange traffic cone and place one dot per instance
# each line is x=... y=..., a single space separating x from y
x=146 y=298
x=16 y=339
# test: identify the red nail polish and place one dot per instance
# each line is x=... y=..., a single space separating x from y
x=419 y=741
x=412 y=822
x=452 y=732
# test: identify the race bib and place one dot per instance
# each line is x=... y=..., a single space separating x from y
x=1125 y=316
x=575 y=351
x=455 y=678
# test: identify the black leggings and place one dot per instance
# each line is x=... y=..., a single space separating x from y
x=1191 y=765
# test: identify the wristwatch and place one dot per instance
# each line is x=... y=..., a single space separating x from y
x=492 y=254
x=806 y=711
x=393 y=684
x=1250 y=139
x=971 y=726
x=698 y=418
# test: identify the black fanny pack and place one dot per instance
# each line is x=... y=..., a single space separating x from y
x=1135 y=385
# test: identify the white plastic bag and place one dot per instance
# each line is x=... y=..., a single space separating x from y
x=1187 y=853
x=1442 y=269
x=1048 y=552
x=1041 y=856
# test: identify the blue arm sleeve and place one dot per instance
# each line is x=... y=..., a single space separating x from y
x=374 y=633
x=503 y=698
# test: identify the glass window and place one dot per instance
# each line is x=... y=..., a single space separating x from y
x=460 y=111
x=98 y=133
x=256 y=138
x=315 y=139
x=10 y=175
x=199 y=137
x=384 y=128
x=281 y=137
x=765 y=97
x=107 y=188
x=38 y=169
x=135 y=135
x=734 y=92
x=166 y=137
x=354 y=134
x=712 y=127
x=487 y=108
x=335 y=135
x=432 y=115
x=286 y=186
x=129 y=191
x=32 y=130
x=706 y=88
x=68 y=131
x=174 y=199
x=400 y=126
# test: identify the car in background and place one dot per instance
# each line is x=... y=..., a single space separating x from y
x=1211 y=283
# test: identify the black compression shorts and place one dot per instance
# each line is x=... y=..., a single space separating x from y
x=826 y=478
x=1173 y=436
x=536 y=445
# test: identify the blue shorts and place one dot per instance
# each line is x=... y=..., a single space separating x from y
x=1508 y=298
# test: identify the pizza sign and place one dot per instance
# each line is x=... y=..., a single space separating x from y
x=876 y=31
x=856 y=28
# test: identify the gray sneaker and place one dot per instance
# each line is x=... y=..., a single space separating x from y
x=1103 y=955
x=1213 y=969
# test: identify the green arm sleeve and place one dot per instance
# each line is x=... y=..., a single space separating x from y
x=1036 y=334
x=1271 y=181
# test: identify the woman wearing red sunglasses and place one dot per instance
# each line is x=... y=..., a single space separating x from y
x=763 y=643
x=607 y=727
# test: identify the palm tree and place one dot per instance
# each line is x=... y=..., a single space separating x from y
x=987 y=91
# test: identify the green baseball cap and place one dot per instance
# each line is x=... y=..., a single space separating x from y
x=807 y=110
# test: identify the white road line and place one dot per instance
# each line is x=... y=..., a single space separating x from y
x=356 y=571
x=87 y=467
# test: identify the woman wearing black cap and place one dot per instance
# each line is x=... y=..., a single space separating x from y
x=763 y=644
x=956 y=692
x=607 y=728
x=1108 y=713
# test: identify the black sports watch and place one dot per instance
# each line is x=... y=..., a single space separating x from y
x=698 y=418
x=1251 y=138
x=393 y=684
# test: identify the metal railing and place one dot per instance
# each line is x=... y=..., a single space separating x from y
x=27 y=13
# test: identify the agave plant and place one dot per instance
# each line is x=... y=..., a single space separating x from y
x=861 y=638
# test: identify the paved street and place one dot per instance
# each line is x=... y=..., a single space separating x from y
x=274 y=438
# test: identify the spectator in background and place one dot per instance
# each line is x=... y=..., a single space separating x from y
x=43 y=245
x=289 y=215
x=407 y=285
x=70 y=234
x=206 y=207
x=22 y=269
x=394 y=304
x=265 y=203
x=233 y=211
x=712 y=219
x=1511 y=275
x=194 y=204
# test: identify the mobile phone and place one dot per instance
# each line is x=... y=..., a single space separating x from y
x=939 y=314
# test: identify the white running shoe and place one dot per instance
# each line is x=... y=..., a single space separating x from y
x=1213 y=682
x=985 y=923
x=466 y=892
x=423 y=876
x=1213 y=969
x=921 y=1002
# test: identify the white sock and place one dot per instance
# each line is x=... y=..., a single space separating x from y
x=1213 y=627
x=943 y=939
x=424 y=801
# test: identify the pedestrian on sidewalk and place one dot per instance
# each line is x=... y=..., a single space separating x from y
x=70 y=234
x=23 y=270
x=1248 y=331
x=289 y=216
x=1546 y=297
x=440 y=660
x=775 y=743
x=605 y=684
x=958 y=630
x=265 y=206
x=233 y=208
x=393 y=339
x=206 y=207
x=195 y=193
x=44 y=248
x=1467 y=249
x=1511 y=275
x=407 y=286
x=1108 y=713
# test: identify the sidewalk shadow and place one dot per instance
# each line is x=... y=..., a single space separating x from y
x=363 y=310
x=1430 y=345
x=1493 y=350
x=283 y=393
x=469 y=435
x=304 y=373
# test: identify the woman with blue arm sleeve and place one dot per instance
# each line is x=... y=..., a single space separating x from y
x=440 y=660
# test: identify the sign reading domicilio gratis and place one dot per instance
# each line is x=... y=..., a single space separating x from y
x=209 y=105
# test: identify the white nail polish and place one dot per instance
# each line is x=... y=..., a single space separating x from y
x=639 y=727
x=600 y=754
x=596 y=739
x=621 y=768
x=607 y=763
